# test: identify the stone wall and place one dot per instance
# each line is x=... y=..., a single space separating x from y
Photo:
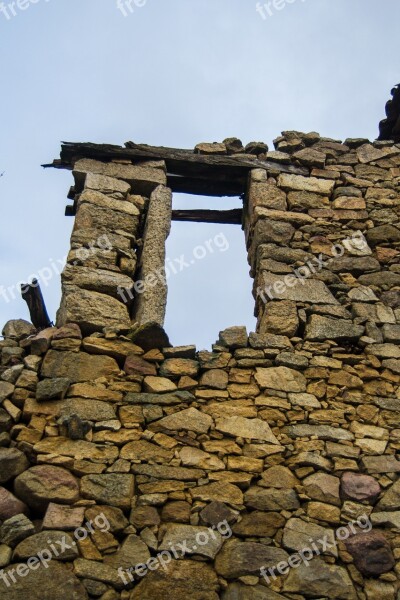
x=289 y=436
x=117 y=210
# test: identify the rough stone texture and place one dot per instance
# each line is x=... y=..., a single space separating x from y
x=190 y=420
x=275 y=287
x=390 y=499
x=239 y=591
x=306 y=184
x=113 y=489
x=187 y=578
x=132 y=552
x=78 y=367
x=283 y=434
x=238 y=559
x=319 y=578
x=10 y=506
x=175 y=534
x=52 y=389
x=141 y=179
x=16 y=529
x=12 y=463
x=322 y=328
x=97 y=280
x=280 y=318
x=92 y=310
x=17 y=329
x=247 y=428
x=297 y=535
x=234 y=337
x=42 y=581
x=355 y=486
x=281 y=378
x=371 y=552
x=35 y=543
x=151 y=303
x=40 y=485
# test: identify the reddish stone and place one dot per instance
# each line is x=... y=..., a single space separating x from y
x=63 y=518
x=358 y=487
x=10 y=505
x=371 y=553
x=134 y=364
x=43 y=484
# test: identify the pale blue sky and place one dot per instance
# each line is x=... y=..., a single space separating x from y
x=175 y=73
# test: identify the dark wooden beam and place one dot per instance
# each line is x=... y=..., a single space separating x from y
x=187 y=171
x=32 y=295
x=179 y=162
x=389 y=128
x=207 y=187
x=226 y=217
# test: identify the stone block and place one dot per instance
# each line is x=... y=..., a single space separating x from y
x=92 y=311
x=142 y=179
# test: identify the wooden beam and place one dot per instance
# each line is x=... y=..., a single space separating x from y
x=206 y=187
x=187 y=172
x=179 y=162
x=32 y=295
x=226 y=217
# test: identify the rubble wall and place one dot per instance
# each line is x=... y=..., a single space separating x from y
x=279 y=448
x=116 y=209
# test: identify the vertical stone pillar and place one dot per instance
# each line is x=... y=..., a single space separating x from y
x=151 y=289
x=98 y=280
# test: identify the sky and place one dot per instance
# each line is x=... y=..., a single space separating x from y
x=174 y=73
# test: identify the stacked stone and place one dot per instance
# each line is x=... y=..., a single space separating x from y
x=111 y=202
x=345 y=211
x=283 y=439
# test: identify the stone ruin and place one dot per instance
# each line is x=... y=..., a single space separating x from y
x=288 y=436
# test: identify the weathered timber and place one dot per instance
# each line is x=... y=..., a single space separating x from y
x=227 y=217
x=223 y=175
x=32 y=295
x=207 y=187
x=389 y=128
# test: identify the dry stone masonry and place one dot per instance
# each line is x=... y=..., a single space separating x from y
x=289 y=435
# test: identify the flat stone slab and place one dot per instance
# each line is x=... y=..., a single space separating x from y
x=246 y=428
x=299 y=289
x=281 y=378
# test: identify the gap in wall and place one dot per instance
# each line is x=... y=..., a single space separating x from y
x=212 y=288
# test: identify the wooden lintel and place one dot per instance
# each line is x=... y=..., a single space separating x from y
x=188 y=172
x=226 y=217
x=179 y=162
x=206 y=186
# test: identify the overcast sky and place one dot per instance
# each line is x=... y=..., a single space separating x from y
x=175 y=73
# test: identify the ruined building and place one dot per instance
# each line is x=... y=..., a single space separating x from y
x=264 y=469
